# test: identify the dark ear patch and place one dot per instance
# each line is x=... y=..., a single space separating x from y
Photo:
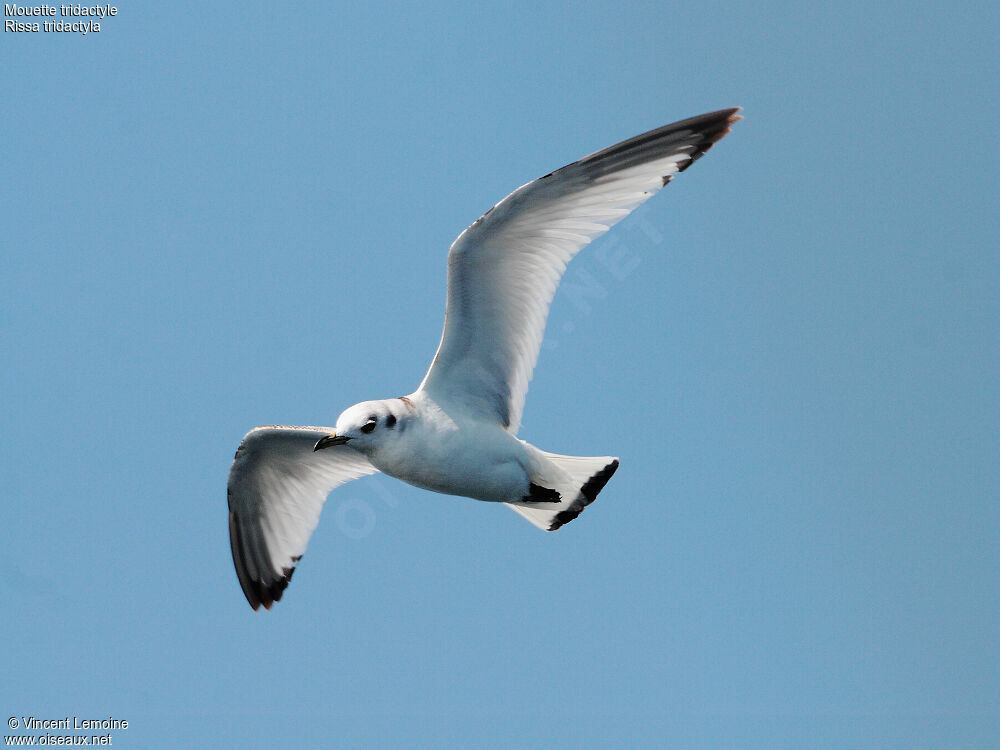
x=390 y=421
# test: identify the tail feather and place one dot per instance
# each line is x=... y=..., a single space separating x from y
x=577 y=479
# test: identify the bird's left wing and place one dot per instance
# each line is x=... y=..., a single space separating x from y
x=504 y=269
x=277 y=487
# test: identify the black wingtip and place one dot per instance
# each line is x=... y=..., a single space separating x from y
x=686 y=139
x=712 y=128
x=259 y=593
x=236 y=546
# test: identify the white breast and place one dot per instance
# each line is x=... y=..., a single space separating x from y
x=473 y=458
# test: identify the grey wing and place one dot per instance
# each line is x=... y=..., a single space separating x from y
x=504 y=269
x=277 y=487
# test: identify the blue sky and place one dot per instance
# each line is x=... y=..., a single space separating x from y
x=223 y=215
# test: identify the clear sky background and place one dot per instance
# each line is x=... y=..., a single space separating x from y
x=218 y=215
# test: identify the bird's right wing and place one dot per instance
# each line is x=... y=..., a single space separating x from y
x=277 y=487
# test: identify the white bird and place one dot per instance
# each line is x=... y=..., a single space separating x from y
x=456 y=433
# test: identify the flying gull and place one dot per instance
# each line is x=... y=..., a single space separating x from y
x=456 y=433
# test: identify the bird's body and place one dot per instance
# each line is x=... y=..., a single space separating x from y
x=454 y=455
x=455 y=452
x=457 y=433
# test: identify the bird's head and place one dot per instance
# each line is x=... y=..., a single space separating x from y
x=362 y=426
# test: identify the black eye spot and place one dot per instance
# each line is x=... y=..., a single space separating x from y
x=370 y=424
x=390 y=421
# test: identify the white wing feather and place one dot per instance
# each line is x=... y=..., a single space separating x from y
x=277 y=487
x=504 y=269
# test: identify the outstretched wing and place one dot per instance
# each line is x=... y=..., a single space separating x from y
x=277 y=487
x=504 y=269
